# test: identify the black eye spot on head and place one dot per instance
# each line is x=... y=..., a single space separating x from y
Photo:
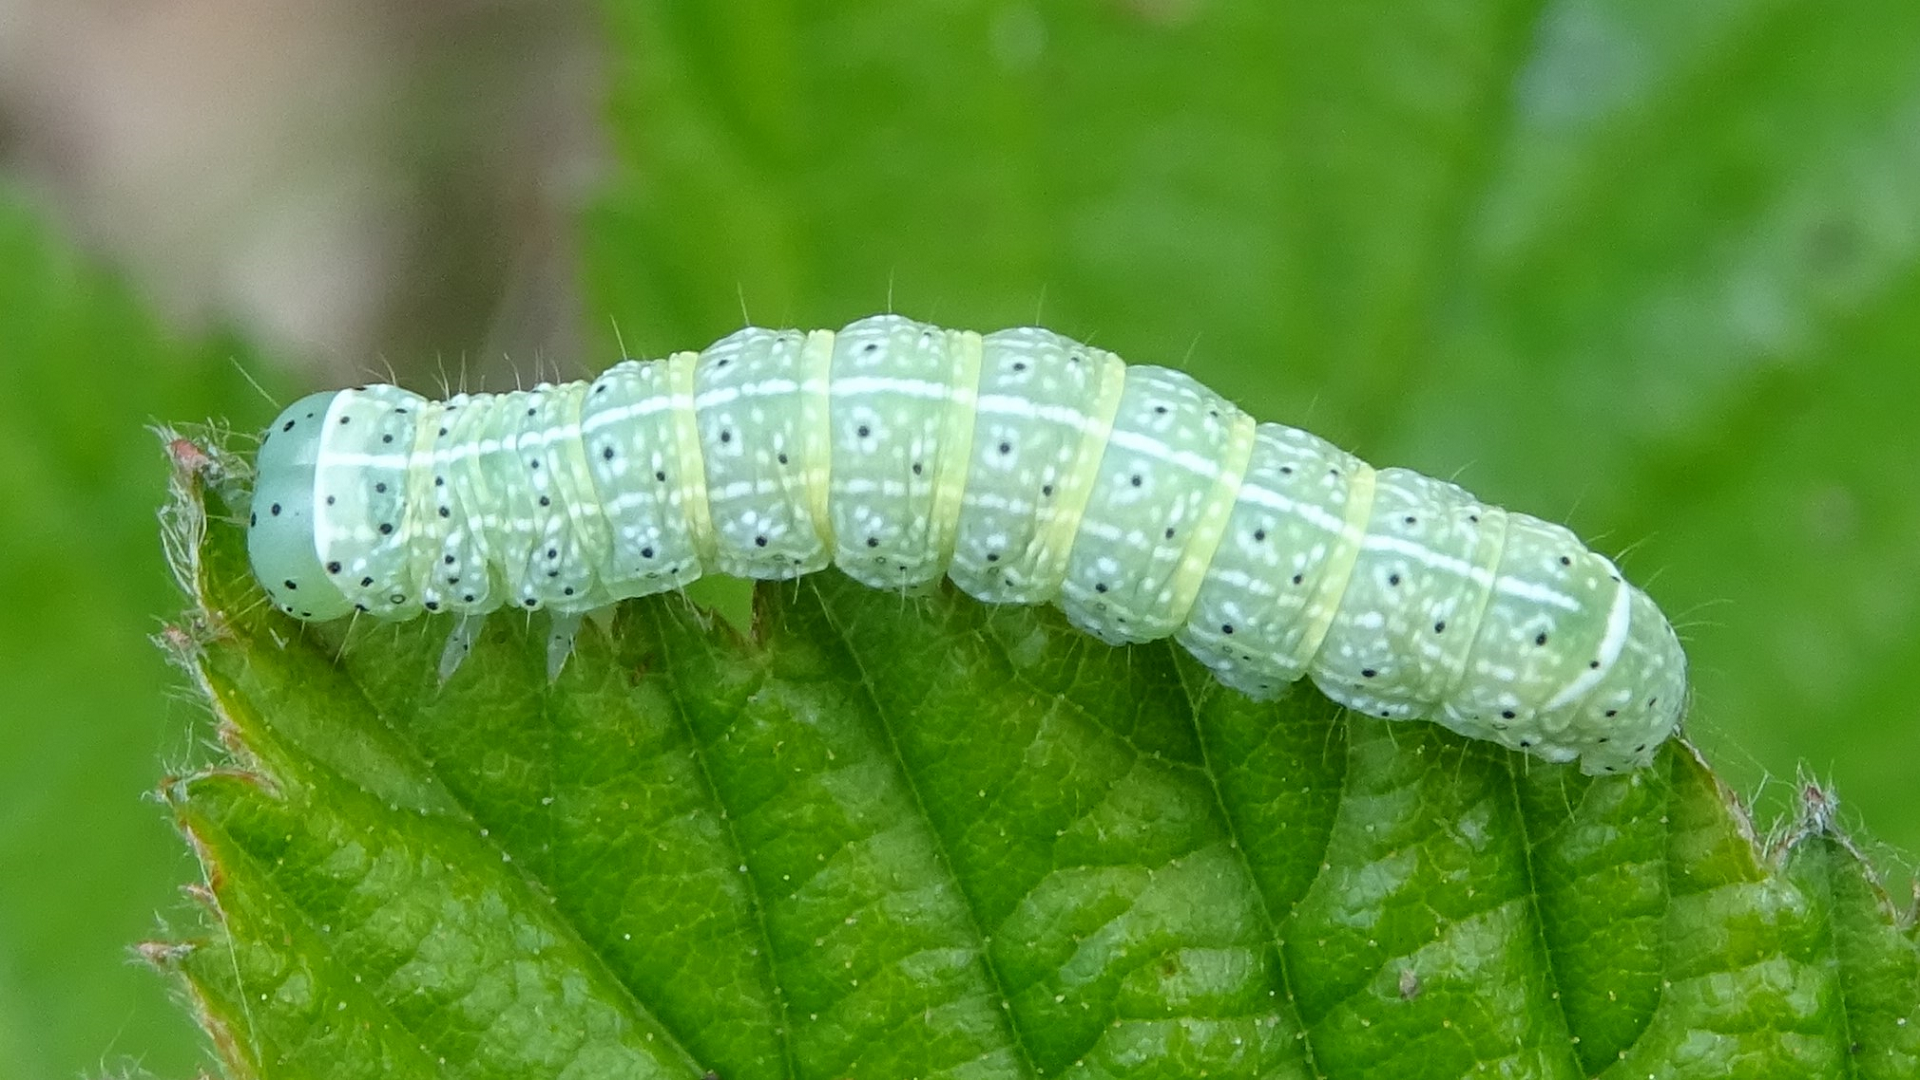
x=1100 y=586
x=380 y=488
x=366 y=582
x=1393 y=579
x=781 y=458
x=1226 y=628
x=660 y=475
x=1160 y=410
x=1540 y=638
x=288 y=426
x=646 y=553
x=333 y=568
x=1136 y=480
x=1507 y=713
x=274 y=509
x=870 y=347
x=1006 y=448
x=386 y=528
x=1297 y=578
x=1409 y=519
x=546 y=500
x=1613 y=712
x=873 y=541
x=1368 y=673
x=759 y=541
x=386 y=438
x=726 y=436
x=1019 y=365
x=863 y=431
x=1169 y=533
x=1046 y=490
x=289 y=584
x=1566 y=560
x=607 y=454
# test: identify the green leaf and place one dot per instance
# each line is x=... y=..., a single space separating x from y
x=887 y=836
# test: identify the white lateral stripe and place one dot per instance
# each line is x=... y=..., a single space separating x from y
x=1192 y=461
x=1612 y=641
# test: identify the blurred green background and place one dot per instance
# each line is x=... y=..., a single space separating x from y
x=1646 y=268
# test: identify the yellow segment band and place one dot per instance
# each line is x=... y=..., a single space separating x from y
x=1054 y=537
x=816 y=427
x=578 y=495
x=1205 y=539
x=1326 y=598
x=1493 y=520
x=693 y=466
x=968 y=353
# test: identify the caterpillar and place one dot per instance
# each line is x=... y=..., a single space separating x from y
x=1027 y=467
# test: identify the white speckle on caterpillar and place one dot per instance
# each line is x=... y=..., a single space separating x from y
x=1027 y=467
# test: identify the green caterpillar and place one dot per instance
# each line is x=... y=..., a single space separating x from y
x=1027 y=467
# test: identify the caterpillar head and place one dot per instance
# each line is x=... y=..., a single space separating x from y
x=280 y=532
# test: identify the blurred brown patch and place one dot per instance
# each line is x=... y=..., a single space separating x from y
x=365 y=187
